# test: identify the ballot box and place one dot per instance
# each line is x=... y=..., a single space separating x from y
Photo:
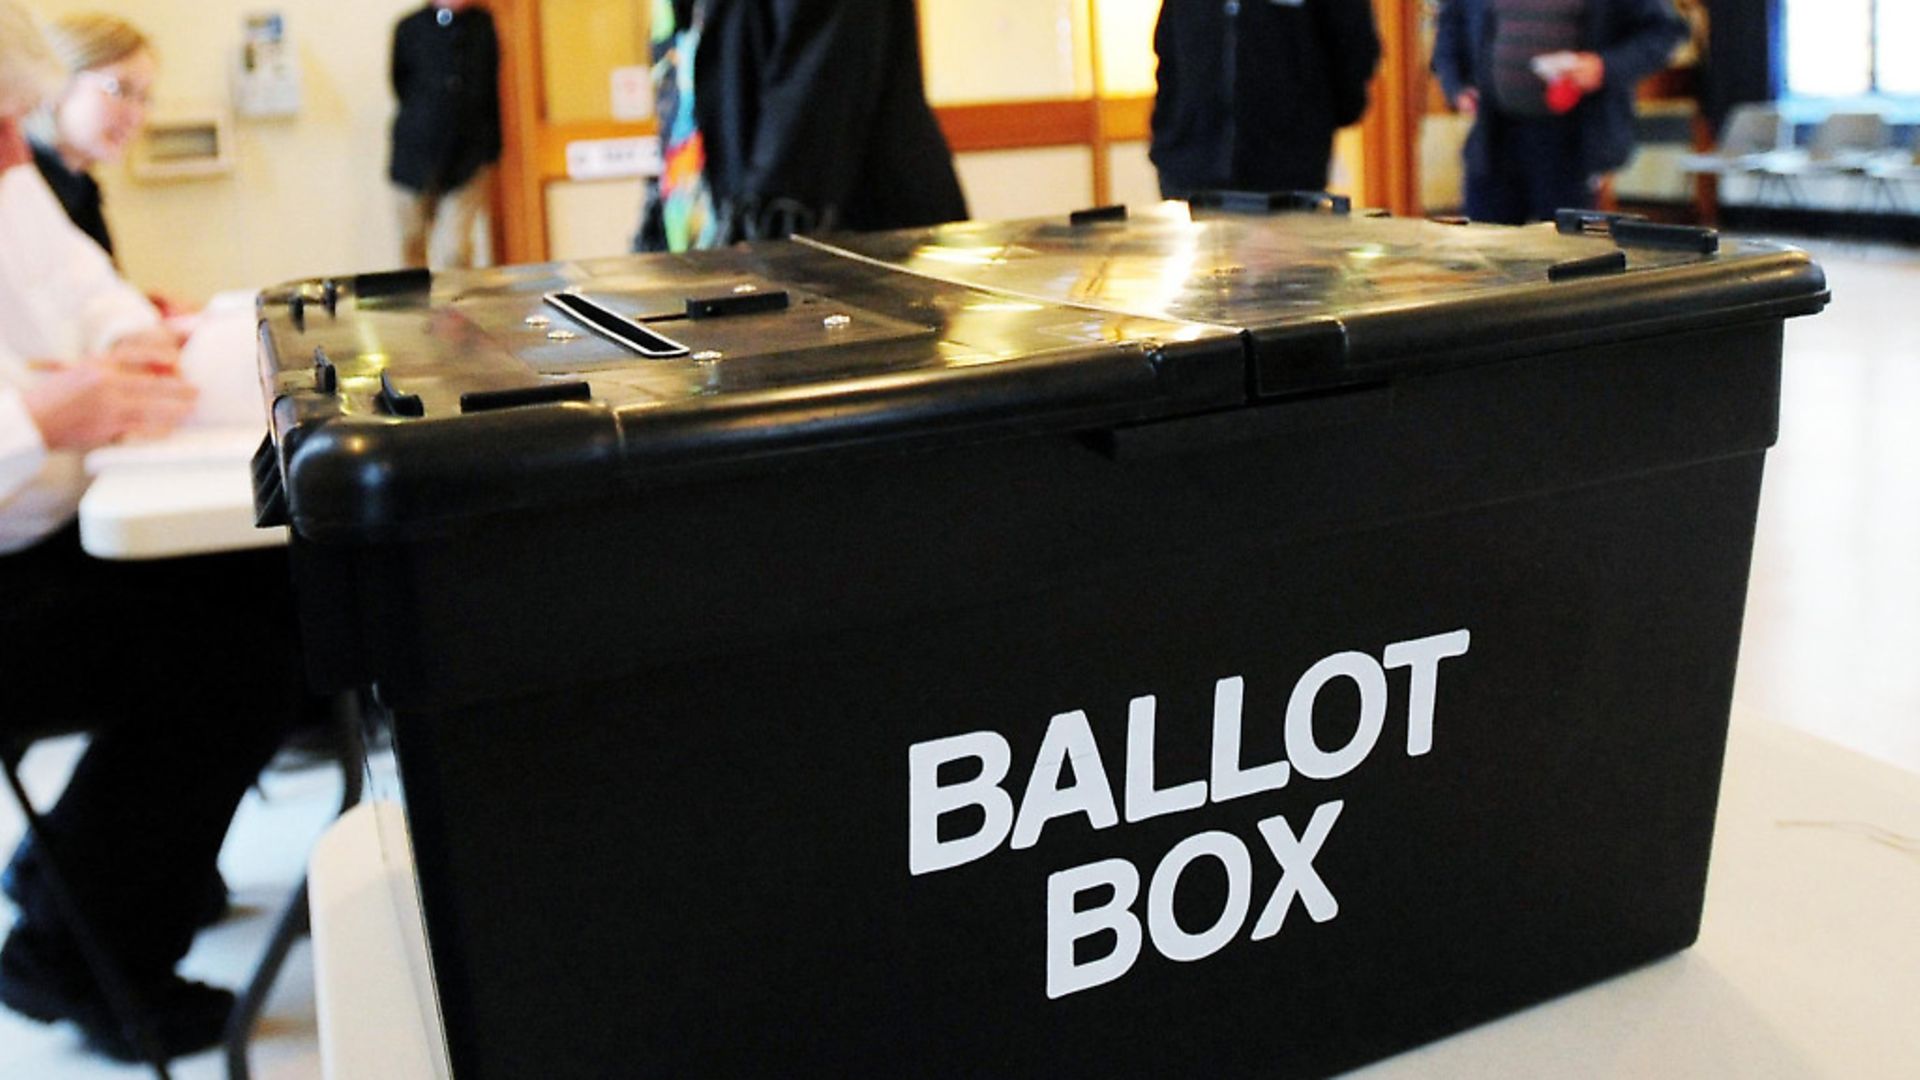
x=1240 y=638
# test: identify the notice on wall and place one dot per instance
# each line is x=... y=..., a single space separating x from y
x=266 y=81
x=608 y=159
x=632 y=93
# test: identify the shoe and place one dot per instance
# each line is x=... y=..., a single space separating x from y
x=16 y=880
x=184 y=1016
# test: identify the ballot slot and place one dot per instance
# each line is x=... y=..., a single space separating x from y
x=616 y=327
x=811 y=335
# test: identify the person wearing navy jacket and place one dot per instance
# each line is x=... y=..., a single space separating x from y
x=1550 y=85
x=1250 y=92
x=446 y=135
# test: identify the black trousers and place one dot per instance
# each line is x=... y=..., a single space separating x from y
x=186 y=671
x=1531 y=169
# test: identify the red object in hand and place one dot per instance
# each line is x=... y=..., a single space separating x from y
x=1563 y=94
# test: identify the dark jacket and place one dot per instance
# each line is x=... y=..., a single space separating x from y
x=1251 y=91
x=814 y=116
x=448 y=81
x=78 y=192
x=1633 y=38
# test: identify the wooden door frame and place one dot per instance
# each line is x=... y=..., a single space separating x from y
x=521 y=194
x=1390 y=132
x=535 y=151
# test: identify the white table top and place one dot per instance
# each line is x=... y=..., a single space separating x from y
x=1808 y=963
x=161 y=512
x=190 y=493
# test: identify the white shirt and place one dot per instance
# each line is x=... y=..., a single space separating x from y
x=60 y=299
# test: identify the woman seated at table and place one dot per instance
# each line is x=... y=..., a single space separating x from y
x=92 y=122
x=97 y=117
x=181 y=668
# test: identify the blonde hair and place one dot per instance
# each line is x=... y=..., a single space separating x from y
x=86 y=42
x=29 y=70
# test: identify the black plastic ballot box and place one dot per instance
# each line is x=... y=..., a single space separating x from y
x=1216 y=640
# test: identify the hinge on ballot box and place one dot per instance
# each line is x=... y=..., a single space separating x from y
x=269 y=492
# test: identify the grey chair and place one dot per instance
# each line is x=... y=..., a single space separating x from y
x=1889 y=175
x=1750 y=133
x=1845 y=144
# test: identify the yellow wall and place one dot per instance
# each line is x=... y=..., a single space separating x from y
x=1004 y=50
x=307 y=195
x=1126 y=45
x=581 y=43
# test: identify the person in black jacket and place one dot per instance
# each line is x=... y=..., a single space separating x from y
x=1251 y=91
x=1550 y=86
x=446 y=137
x=803 y=115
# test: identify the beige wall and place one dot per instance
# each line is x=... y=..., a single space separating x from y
x=588 y=219
x=1026 y=183
x=307 y=194
x=1004 y=50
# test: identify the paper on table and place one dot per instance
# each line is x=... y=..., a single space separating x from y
x=229 y=419
x=220 y=359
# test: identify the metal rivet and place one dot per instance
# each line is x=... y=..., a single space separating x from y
x=537 y=321
x=835 y=322
x=561 y=335
x=746 y=288
x=707 y=356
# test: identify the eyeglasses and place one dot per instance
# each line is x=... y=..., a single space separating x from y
x=120 y=89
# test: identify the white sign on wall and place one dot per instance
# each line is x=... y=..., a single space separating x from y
x=632 y=93
x=266 y=79
x=607 y=159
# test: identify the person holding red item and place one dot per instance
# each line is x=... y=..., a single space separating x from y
x=1549 y=84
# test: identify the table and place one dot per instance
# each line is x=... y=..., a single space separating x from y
x=1808 y=963
x=190 y=493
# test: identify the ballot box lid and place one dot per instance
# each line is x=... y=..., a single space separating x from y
x=406 y=403
x=1330 y=296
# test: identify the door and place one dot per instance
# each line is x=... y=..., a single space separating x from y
x=574 y=95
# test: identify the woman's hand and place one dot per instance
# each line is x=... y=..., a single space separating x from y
x=96 y=402
x=155 y=351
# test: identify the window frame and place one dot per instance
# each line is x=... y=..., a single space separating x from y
x=1908 y=101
